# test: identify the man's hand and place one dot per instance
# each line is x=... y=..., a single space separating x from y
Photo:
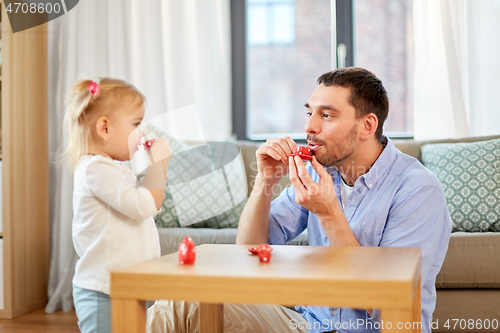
x=320 y=197
x=272 y=159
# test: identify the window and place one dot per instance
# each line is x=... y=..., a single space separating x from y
x=383 y=44
x=271 y=22
x=281 y=47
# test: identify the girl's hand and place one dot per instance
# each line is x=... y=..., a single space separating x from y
x=160 y=150
x=155 y=179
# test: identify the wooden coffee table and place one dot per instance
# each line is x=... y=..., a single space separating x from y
x=386 y=278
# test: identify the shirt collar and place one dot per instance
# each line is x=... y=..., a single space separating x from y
x=379 y=168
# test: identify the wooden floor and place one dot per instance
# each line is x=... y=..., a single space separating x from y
x=41 y=322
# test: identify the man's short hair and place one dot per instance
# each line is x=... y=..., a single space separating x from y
x=368 y=95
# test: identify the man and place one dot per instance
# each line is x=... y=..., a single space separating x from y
x=358 y=190
x=368 y=194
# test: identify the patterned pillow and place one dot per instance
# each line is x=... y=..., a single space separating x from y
x=206 y=185
x=470 y=175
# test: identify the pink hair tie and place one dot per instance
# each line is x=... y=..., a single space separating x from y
x=94 y=86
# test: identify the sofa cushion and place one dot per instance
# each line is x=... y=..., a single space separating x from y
x=171 y=237
x=471 y=261
x=412 y=147
x=206 y=184
x=456 y=307
x=470 y=176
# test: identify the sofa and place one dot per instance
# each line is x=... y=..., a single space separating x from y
x=468 y=286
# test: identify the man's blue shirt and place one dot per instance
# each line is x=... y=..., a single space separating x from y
x=399 y=203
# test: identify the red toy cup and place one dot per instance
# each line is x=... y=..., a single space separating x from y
x=187 y=251
x=303 y=152
x=148 y=144
x=254 y=250
x=264 y=252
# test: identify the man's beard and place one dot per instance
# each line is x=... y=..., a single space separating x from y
x=332 y=156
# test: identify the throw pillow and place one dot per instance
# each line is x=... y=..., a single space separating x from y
x=206 y=185
x=470 y=176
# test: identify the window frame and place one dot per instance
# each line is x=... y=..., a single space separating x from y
x=344 y=27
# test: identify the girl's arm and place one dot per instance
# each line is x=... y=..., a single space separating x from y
x=155 y=179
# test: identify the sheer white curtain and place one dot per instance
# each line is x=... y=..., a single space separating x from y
x=456 y=80
x=176 y=52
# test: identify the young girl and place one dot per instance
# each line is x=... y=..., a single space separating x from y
x=113 y=224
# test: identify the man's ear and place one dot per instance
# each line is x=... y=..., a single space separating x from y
x=368 y=126
x=102 y=129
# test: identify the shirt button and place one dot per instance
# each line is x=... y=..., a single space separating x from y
x=370 y=185
x=334 y=312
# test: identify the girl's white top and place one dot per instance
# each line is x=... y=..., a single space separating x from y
x=113 y=225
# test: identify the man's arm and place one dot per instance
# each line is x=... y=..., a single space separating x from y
x=420 y=218
x=253 y=227
x=272 y=163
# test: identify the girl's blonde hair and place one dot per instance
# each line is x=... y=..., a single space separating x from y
x=83 y=108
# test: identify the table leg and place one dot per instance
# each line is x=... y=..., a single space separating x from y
x=128 y=315
x=417 y=307
x=211 y=318
x=404 y=320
